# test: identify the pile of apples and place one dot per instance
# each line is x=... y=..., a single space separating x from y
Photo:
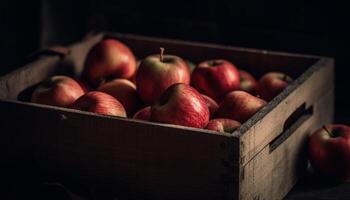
x=163 y=88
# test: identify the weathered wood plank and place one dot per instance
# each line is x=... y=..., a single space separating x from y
x=151 y=161
x=270 y=175
x=268 y=123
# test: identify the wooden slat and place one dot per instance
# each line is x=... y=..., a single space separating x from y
x=268 y=123
x=11 y=85
x=143 y=160
x=270 y=175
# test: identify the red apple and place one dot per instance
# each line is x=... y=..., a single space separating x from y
x=125 y=92
x=223 y=125
x=215 y=78
x=212 y=105
x=143 y=114
x=248 y=82
x=182 y=105
x=271 y=84
x=100 y=103
x=239 y=105
x=109 y=59
x=157 y=72
x=329 y=152
x=58 y=91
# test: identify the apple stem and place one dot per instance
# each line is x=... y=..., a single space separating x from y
x=161 y=54
x=326 y=129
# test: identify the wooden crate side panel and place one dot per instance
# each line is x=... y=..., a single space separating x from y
x=144 y=161
x=11 y=85
x=268 y=123
x=271 y=175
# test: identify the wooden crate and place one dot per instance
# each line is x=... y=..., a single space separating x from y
x=261 y=160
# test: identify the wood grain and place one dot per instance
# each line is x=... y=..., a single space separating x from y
x=268 y=123
x=270 y=175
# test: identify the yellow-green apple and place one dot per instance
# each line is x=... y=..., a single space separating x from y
x=58 y=91
x=109 y=59
x=212 y=105
x=329 y=152
x=215 y=78
x=143 y=114
x=125 y=92
x=239 y=105
x=271 y=84
x=247 y=82
x=182 y=105
x=157 y=72
x=223 y=125
x=100 y=103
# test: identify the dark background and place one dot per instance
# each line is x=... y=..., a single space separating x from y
x=310 y=27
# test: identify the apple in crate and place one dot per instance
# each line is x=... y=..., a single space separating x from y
x=109 y=59
x=271 y=84
x=223 y=125
x=125 y=91
x=182 y=105
x=215 y=78
x=247 y=82
x=58 y=91
x=239 y=105
x=157 y=72
x=329 y=152
x=143 y=114
x=212 y=105
x=100 y=103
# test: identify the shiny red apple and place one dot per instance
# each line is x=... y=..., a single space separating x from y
x=100 y=103
x=157 y=72
x=58 y=91
x=215 y=78
x=271 y=84
x=182 y=105
x=125 y=92
x=223 y=125
x=109 y=59
x=248 y=82
x=329 y=152
x=143 y=114
x=239 y=105
x=212 y=105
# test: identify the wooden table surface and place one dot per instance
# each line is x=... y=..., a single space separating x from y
x=311 y=188
x=308 y=188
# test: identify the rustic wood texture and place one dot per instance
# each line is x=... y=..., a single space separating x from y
x=270 y=175
x=151 y=161
x=268 y=123
x=11 y=85
x=145 y=160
